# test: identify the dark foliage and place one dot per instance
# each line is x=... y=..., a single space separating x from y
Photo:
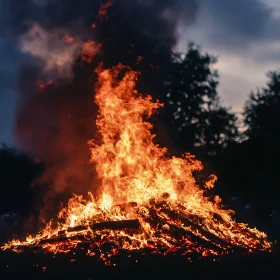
x=262 y=117
x=17 y=173
x=192 y=105
x=262 y=113
x=250 y=169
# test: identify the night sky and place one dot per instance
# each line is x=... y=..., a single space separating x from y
x=244 y=34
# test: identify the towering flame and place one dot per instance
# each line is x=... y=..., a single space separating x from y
x=147 y=200
x=131 y=166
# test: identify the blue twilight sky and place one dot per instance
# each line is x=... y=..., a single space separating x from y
x=245 y=34
x=9 y=66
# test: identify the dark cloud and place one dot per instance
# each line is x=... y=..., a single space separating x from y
x=236 y=24
x=245 y=35
x=15 y=16
x=245 y=17
x=7 y=114
x=9 y=67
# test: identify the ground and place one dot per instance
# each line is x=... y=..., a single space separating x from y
x=149 y=267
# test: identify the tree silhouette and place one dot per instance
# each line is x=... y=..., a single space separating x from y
x=18 y=172
x=218 y=129
x=262 y=117
x=262 y=113
x=250 y=168
x=194 y=110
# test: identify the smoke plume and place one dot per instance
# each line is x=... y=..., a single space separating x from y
x=56 y=49
x=66 y=40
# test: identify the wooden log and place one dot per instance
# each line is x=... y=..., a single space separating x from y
x=195 y=238
x=117 y=225
x=175 y=230
x=114 y=225
x=110 y=225
x=62 y=238
x=193 y=220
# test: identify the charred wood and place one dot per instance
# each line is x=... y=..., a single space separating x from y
x=109 y=225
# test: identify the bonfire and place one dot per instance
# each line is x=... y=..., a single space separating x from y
x=148 y=201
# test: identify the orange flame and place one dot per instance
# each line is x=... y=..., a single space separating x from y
x=102 y=12
x=131 y=166
x=139 y=180
x=90 y=49
x=42 y=86
x=68 y=39
x=104 y=8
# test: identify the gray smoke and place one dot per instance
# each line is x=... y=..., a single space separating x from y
x=54 y=124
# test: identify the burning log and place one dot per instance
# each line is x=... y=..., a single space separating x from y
x=109 y=225
x=117 y=225
x=114 y=225
x=193 y=222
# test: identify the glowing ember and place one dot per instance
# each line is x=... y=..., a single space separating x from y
x=104 y=8
x=90 y=49
x=68 y=39
x=42 y=86
x=102 y=13
x=148 y=201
